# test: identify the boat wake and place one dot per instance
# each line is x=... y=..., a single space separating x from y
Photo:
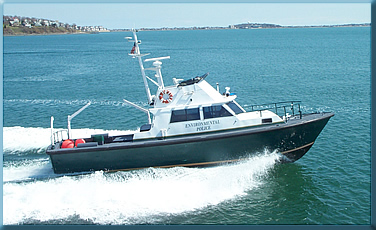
x=27 y=170
x=31 y=170
x=147 y=196
x=26 y=140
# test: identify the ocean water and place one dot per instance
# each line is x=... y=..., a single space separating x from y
x=328 y=69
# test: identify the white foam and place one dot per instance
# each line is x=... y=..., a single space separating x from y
x=23 y=139
x=20 y=139
x=27 y=170
x=132 y=197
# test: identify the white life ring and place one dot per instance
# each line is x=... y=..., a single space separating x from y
x=165 y=96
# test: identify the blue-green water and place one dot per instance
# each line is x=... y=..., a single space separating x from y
x=327 y=68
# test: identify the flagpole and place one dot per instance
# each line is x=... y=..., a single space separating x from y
x=138 y=55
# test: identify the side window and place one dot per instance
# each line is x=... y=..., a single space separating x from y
x=215 y=111
x=178 y=115
x=193 y=114
x=234 y=107
x=185 y=115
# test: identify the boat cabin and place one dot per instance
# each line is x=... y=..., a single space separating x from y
x=196 y=107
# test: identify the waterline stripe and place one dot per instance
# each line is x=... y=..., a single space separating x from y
x=301 y=147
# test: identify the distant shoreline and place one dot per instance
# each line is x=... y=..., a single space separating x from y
x=38 y=34
x=21 y=26
x=245 y=26
x=7 y=31
x=34 y=34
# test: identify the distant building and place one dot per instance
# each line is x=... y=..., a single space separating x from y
x=31 y=22
x=14 y=22
x=45 y=23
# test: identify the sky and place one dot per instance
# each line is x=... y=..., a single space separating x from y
x=157 y=15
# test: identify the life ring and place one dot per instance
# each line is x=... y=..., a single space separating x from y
x=165 y=96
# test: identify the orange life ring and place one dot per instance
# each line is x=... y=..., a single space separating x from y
x=165 y=96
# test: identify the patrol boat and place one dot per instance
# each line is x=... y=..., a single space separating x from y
x=190 y=124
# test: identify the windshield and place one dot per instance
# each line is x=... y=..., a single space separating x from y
x=234 y=107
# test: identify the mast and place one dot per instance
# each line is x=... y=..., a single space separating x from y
x=136 y=53
x=156 y=63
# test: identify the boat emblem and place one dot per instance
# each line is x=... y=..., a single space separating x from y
x=165 y=96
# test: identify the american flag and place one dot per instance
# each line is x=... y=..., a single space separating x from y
x=133 y=48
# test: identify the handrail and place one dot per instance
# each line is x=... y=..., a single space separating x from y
x=57 y=138
x=277 y=105
x=55 y=135
x=280 y=102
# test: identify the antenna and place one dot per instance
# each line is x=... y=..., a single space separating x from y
x=70 y=117
x=157 y=59
x=139 y=108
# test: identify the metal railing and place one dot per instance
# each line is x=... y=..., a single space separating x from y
x=282 y=108
x=58 y=135
x=55 y=137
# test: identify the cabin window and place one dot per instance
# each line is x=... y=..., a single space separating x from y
x=215 y=111
x=234 y=107
x=185 y=115
x=193 y=114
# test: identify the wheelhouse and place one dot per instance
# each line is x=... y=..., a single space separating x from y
x=206 y=112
